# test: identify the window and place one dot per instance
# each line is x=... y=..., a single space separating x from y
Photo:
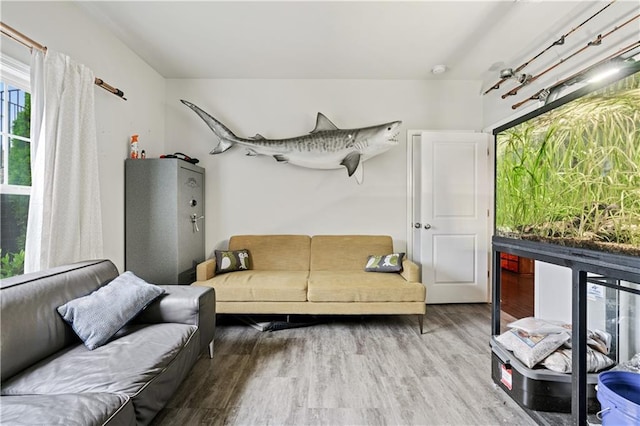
x=15 y=164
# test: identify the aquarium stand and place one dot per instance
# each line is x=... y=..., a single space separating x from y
x=613 y=268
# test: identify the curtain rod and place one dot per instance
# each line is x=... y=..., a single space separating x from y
x=32 y=44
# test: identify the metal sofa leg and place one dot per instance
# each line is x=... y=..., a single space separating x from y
x=211 y=349
x=421 y=322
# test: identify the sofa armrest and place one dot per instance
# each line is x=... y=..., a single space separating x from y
x=410 y=271
x=185 y=305
x=206 y=270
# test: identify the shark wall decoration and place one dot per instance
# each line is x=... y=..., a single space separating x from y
x=326 y=147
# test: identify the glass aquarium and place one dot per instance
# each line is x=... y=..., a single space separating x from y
x=617 y=313
x=571 y=175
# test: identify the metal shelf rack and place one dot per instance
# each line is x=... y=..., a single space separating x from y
x=613 y=268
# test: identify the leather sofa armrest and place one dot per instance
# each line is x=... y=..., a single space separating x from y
x=410 y=271
x=206 y=270
x=185 y=305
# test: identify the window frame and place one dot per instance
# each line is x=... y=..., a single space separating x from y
x=18 y=75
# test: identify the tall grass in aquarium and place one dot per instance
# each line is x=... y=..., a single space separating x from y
x=572 y=174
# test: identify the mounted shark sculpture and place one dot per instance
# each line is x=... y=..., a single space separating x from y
x=326 y=147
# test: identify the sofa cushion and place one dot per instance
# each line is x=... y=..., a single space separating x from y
x=346 y=252
x=232 y=260
x=184 y=304
x=361 y=286
x=275 y=252
x=260 y=286
x=96 y=317
x=68 y=409
x=31 y=329
x=384 y=263
x=145 y=362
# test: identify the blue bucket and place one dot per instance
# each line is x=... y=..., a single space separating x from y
x=619 y=396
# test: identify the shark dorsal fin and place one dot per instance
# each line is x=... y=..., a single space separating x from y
x=257 y=137
x=323 y=124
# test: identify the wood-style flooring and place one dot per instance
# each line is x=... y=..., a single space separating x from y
x=362 y=370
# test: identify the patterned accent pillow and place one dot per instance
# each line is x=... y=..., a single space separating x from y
x=95 y=318
x=232 y=260
x=385 y=263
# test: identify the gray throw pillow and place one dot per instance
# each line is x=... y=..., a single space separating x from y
x=95 y=318
x=385 y=263
x=232 y=260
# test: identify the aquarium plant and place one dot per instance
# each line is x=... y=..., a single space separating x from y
x=572 y=175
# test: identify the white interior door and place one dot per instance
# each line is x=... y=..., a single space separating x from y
x=450 y=214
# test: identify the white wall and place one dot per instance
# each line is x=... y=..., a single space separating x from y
x=61 y=26
x=552 y=292
x=258 y=195
x=247 y=195
x=553 y=296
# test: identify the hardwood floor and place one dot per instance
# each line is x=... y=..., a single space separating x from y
x=370 y=370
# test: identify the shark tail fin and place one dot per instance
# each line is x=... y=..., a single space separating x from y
x=227 y=137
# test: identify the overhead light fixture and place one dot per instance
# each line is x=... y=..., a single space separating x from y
x=438 y=69
x=603 y=75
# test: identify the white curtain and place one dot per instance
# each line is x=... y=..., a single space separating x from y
x=65 y=219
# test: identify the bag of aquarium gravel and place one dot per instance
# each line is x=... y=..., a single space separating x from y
x=560 y=361
x=531 y=348
x=597 y=339
x=533 y=325
x=632 y=365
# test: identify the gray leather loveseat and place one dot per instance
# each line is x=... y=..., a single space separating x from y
x=48 y=376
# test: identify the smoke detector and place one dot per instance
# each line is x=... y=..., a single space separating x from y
x=438 y=69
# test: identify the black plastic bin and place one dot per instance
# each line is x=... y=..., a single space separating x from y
x=538 y=389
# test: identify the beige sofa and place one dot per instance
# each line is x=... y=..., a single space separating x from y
x=320 y=275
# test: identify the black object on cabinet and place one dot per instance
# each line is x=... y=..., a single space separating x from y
x=164 y=219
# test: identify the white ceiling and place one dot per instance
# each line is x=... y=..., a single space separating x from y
x=349 y=40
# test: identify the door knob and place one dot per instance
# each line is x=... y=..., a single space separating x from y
x=427 y=226
x=417 y=225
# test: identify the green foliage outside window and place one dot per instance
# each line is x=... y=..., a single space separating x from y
x=11 y=264
x=16 y=207
x=20 y=151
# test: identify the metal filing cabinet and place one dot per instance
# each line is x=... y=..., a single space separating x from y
x=164 y=219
